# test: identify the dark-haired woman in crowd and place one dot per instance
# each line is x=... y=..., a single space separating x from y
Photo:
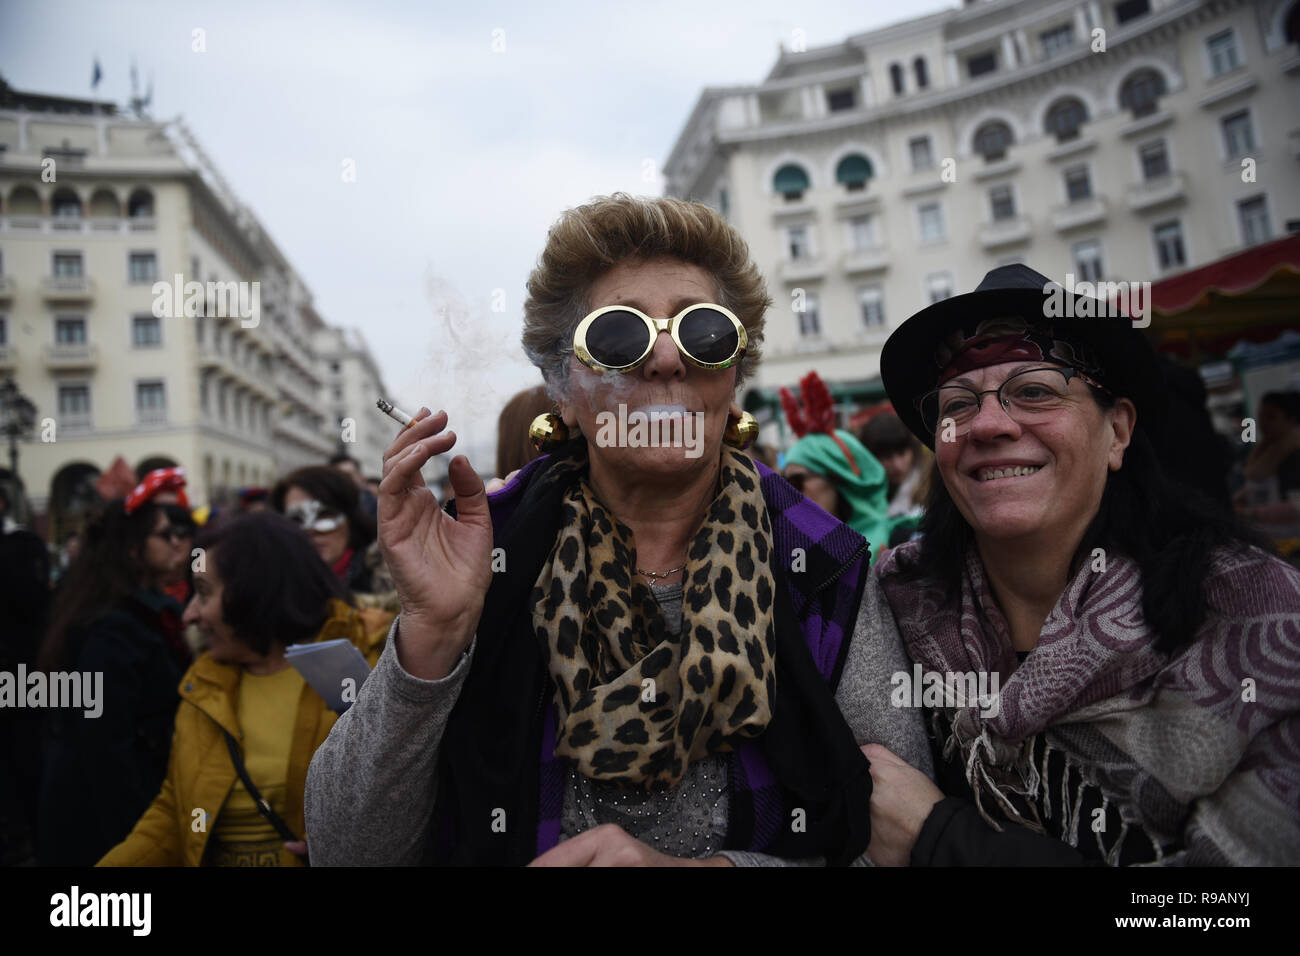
x=905 y=460
x=111 y=618
x=1147 y=699
x=326 y=503
x=260 y=588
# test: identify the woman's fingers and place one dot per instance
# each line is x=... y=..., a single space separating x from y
x=403 y=471
x=426 y=426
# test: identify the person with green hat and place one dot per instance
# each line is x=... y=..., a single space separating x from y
x=834 y=469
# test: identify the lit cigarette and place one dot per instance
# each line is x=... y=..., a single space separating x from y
x=396 y=414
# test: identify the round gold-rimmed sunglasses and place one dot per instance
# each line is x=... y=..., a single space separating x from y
x=618 y=338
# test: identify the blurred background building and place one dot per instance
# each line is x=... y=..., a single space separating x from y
x=96 y=206
x=893 y=169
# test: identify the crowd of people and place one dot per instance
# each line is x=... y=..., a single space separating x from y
x=187 y=624
x=744 y=657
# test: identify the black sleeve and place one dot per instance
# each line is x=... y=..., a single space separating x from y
x=954 y=834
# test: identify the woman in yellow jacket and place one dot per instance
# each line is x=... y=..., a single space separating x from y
x=259 y=587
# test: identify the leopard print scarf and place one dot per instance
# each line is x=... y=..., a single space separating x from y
x=636 y=703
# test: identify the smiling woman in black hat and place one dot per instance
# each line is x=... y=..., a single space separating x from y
x=1136 y=658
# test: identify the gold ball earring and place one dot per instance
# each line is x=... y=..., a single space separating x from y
x=741 y=432
x=547 y=432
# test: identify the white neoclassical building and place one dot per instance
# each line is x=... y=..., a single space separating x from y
x=1124 y=140
x=97 y=206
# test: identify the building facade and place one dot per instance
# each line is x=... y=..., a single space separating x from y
x=145 y=311
x=1088 y=138
x=353 y=384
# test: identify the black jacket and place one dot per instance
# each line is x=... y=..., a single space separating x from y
x=102 y=773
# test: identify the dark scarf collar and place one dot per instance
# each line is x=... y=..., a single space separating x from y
x=500 y=757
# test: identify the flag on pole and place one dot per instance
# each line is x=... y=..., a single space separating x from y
x=98 y=75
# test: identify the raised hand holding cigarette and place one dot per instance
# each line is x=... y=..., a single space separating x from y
x=440 y=564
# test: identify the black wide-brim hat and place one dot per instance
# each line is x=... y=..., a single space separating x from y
x=1104 y=345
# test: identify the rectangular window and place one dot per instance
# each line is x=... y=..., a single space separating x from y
x=921 y=152
x=1131 y=10
x=862 y=229
x=1155 y=160
x=871 y=300
x=1057 y=40
x=982 y=64
x=810 y=320
x=74 y=401
x=203 y=393
x=931 y=217
x=796 y=239
x=1002 y=203
x=1238 y=136
x=70 y=331
x=144 y=267
x=1087 y=261
x=1078 y=184
x=1253 y=216
x=67 y=264
x=938 y=286
x=837 y=100
x=1222 y=48
x=1169 y=245
x=4 y=332
x=146 y=331
x=150 y=401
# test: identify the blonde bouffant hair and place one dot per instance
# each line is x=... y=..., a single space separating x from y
x=589 y=240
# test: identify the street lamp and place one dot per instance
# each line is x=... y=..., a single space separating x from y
x=17 y=422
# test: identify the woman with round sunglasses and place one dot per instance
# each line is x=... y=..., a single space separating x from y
x=644 y=649
x=1126 y=688
x=110 y=619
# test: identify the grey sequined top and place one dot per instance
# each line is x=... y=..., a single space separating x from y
x=369 y=797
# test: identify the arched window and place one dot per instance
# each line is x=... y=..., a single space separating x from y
x=104 y=205
x=791 y=181
x=992 y=140
x=1141 y=92
x=23 y=201
x=140 y=205
x=896 y=78
x=853 y=171
x=65 y=204
x=1065 y=117
x=922 y=73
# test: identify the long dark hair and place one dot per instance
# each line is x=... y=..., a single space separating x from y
x=109 y=568
x=275 y=589
x=1169 y=529
x=335 y=490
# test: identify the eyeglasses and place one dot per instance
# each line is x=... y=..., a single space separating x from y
x=1029 y=396
x=618 y=338
x=313 y=516
x=169 y=533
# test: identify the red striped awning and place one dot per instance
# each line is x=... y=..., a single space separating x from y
x=1237 y=275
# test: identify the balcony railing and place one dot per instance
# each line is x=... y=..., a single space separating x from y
x=869 y=259
x=1158 y=191
x=802 y=269
x=151 y=416
x=1076 y=215
x=81 y=355
x=1005 y=232
x=67 y=288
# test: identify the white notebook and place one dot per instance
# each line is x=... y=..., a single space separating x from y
x=334 y=669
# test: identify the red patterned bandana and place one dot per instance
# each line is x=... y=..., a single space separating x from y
x=995 y=341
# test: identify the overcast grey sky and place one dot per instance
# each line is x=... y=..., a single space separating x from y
x=464 y=156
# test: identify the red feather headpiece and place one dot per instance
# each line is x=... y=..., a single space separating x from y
x=816 y=412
